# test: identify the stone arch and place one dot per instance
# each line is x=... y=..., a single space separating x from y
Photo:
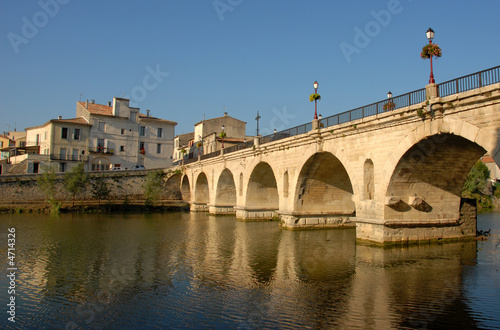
x=262 y=190
x=226 y=189
x=368 y=180
x=201 y=190
x=324 y=186
x=185 y=189
x=428 y=179
x=483 y=137
x=173 y=187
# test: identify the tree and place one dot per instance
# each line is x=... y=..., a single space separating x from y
x=153 y=186
x=47 y=184
x=75 y=180
x=100 y=189
x=477 y=180
x=476 y=185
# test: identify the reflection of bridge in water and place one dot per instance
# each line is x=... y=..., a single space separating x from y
x=397 y=174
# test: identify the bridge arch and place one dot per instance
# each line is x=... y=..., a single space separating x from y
x=201 y=190
x=173 y=186
x=225 y=194
x=324 y=187
x=262 y=189
x=185 y=189
x=432 y=165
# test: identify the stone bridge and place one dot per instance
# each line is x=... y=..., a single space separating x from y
x=396 y=175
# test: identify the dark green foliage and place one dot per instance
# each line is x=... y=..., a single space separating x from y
x=477 y=185
x=75 y=180
x=47 y=184
x=100 y=189
x=153 y=186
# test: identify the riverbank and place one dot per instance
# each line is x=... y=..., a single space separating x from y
x=93 y=206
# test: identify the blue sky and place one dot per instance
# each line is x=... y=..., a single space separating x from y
x=184 y=59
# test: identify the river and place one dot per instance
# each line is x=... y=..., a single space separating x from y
x=186 y=270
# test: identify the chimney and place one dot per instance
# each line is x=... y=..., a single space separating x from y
x=225 y=114
x=59 y=117
x=147 y=112
x=92 y=101
x=87 y=104
x=109 y=103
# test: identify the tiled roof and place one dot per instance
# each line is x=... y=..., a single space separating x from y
x=487 y=159
x=80 y=120
x=146 y=118
x=231 y=139
x=98 y=109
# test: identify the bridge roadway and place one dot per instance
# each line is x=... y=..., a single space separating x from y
x=397 y=175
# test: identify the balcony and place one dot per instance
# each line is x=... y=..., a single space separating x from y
x=102 y=150
x=73 y=158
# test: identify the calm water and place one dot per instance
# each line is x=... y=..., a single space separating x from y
x=182 y=270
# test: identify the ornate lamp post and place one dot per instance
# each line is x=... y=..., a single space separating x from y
x=222 y=135
x=430 y=36
x=315 y=85
x=389 y=95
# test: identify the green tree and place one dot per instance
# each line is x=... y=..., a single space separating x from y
x=47 y=184
x=476 y=185
x=153 y=186
x=100 y=189
x=75 y=180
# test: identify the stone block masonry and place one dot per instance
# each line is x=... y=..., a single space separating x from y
x=22 y=191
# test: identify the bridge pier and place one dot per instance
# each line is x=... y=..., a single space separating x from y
x=221 y=210
x=304 y=221
x=406 y=231
x=255 y=214
x=198 y=207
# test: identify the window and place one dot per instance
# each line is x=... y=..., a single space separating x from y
x=75 y=154
x=76 y=134
x=142 y=131
x=159 y=132
x=123 y=131
x=64 y=133
x=100 y=145
x=142 y=150
x=45 y=135
x=158 y=148
x=102 y=126
x=1 y=144
x=37 y=140
x=122 y=148
x=62 y=154
x=62 y=167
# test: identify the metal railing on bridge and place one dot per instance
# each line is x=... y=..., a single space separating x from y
x=470 y=82
x=455 y=86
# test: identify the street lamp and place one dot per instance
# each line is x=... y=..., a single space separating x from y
x=315 y=85
x=222 y=135
x=430 y=36
x=389 y=95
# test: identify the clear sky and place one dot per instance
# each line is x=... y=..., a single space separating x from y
x=184 y=59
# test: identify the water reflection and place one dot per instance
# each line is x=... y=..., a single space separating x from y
x=194 y=270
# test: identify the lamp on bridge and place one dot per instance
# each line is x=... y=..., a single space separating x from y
x=315 y=85
x=430 y=36
x=389 y=95
x=222 y=135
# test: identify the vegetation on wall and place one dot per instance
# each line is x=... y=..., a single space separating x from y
x=478 y=186
x=100 y=189
x=75 y=180
x=47 y=184
x=153 y=186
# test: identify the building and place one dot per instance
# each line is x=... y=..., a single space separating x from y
x=63 y=142
x=122 y=137
x=207 y=139
x=493 y=167
x=103 y=137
